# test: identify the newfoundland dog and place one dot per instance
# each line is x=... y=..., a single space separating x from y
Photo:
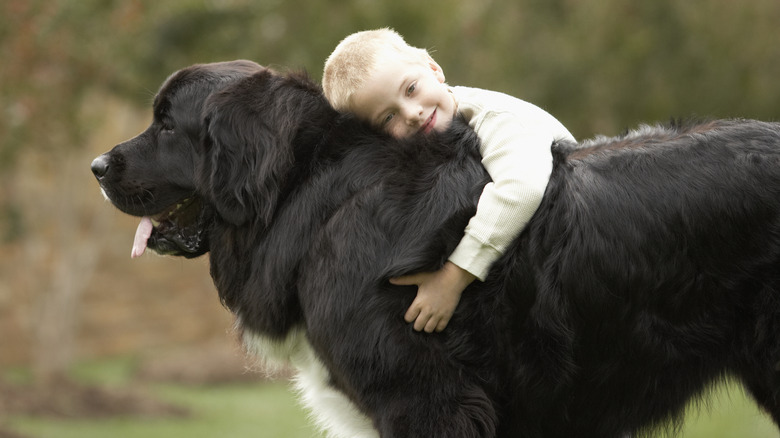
x=650 y=271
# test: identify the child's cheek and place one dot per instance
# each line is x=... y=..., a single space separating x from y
x=399 y=132
x=443 y=122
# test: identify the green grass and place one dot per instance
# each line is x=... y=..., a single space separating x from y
x=237 y=410
x=269 y=409
x=730 y=413
x=247 y=410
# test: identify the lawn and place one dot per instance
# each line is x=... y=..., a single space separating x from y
x=242 y=409
x=263 y=410
x=268 y=409
x=728 y=414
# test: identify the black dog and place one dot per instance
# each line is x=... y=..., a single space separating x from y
x=650 y=270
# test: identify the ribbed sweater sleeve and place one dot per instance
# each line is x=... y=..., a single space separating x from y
x=516 y=137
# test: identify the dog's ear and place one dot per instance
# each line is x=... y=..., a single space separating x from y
x=248 y=153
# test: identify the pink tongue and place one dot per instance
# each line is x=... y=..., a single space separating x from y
x=141 y=236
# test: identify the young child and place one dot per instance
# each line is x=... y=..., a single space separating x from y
x=377 y=76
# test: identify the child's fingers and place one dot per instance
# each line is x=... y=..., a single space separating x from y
x=431 y=325
x=421 y=323
x=412 y=313
x=442 y=324
x=419 y=314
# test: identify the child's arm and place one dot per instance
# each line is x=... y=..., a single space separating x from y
x=504 y=207
x=438 y=294
x=516 y=153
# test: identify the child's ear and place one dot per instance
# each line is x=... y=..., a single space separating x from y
x=437 y=70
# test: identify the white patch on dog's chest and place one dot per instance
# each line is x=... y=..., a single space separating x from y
x=331 y=410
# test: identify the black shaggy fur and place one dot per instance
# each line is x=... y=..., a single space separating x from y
x=650 y=270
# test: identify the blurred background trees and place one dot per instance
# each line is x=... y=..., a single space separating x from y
x=77 y=76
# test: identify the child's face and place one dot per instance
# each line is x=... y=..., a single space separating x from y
x=405 y=97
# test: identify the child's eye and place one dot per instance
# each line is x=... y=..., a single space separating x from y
x=387 y=119
x=411 y=88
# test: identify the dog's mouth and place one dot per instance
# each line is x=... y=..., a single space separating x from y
x=179 y=230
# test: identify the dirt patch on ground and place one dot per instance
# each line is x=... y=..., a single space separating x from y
x=67 y=399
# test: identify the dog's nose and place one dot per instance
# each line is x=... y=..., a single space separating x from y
x=100 y=166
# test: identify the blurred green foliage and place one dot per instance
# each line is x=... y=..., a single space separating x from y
x=599 y=66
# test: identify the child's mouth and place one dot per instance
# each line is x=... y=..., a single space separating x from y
x=428 y=126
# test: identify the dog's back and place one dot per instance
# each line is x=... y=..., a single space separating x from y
x=656 y=259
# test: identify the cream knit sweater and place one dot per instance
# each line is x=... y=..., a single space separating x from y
x=515 y=146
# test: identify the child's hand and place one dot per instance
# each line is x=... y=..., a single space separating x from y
x=438 y=295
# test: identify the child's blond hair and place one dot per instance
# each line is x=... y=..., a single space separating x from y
x=354 y=59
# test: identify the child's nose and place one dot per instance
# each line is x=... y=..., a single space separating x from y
x=413 y=114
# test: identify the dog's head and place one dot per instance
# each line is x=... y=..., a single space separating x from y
x=154 y=175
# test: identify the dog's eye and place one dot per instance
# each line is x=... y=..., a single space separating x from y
x=166 y=128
